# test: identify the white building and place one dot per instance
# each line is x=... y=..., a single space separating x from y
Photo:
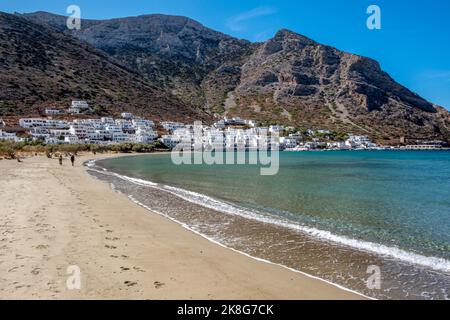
x=220 y=124
x=71 y=139
x=103 y=134
x=143 y=123
x=288 y=142
x=113 y=128
x=145 y=136
x=172 y=126
x=126 y=126
x=53 y=140
x=276 y=129
x=52 y=111
x=77 y=106
x=56 y=133
x=262 y=131
x=250 y=123
x=359 y=142
x=39 y=132
x=234 y=122
x=51 y=123
x=9 y=136
x=79 y=130
x=107 y=120
x=32 y=122
x=41 y=122
x=337 y=146
x=127 y=115
x=170 y=141
x=121 y=137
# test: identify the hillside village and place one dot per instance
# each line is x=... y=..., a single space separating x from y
x=225 y=133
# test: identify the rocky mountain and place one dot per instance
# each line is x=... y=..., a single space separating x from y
x=176 y=52
x=42 y=67
x=289 y=79
x=304 y=82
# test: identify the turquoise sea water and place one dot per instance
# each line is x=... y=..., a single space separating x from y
x=398 y=200
x=395 y=198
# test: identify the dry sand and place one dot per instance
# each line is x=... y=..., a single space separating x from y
x=52 y=217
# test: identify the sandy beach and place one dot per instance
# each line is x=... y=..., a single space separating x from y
x=53 y=217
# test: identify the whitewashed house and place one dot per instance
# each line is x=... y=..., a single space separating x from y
x=219 y=124
x=358 y=141
x=121 y=137
x=250 y=123
x=234 y=122
x=288 y=142
x=32 y=122
x=9 y=136
x=276 y=129
x=78 y=106
x=126 y=125
x=172 y=126
x=52 y=112
x=170 y=141
x=39 y=133
x=127 y=115
x=103 y=134
x=143 y=123
x=107 y=120
x=145 y=136
x=79 y=130
x=51 y=123
x=56 y=133
x=71 y=139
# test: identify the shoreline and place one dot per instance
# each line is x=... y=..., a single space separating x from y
x=76 y=209
x=437 y=264
x=333 y=258
x=223 y=245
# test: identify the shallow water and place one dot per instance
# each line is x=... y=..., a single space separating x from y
x=329 y=214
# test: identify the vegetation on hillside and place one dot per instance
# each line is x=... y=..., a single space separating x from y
x=11 y=150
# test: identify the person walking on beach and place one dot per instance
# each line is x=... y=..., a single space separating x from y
x=60 y=160
x=72 y=159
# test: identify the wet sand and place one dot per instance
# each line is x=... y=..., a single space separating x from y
x=54 y=217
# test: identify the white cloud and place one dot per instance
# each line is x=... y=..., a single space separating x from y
x=439 y=75
x=262 y=36
x=235 y=22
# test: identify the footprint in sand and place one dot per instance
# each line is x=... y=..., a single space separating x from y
x=138 y=269
x=13 y=269
x=158 y=284
x=35 y=271
x=130 y=283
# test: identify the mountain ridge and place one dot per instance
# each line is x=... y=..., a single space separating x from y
x=289 y=78
x=43 y=68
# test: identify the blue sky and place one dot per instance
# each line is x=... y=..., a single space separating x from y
x=413 y=45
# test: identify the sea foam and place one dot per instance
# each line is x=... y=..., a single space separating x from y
x=434 y=263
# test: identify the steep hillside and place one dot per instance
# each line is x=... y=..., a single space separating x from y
x=289 y=78
x=177 y=52
x=41 y=67
x=293 y=78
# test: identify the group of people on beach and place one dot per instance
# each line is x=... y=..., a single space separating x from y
x=72 y=159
